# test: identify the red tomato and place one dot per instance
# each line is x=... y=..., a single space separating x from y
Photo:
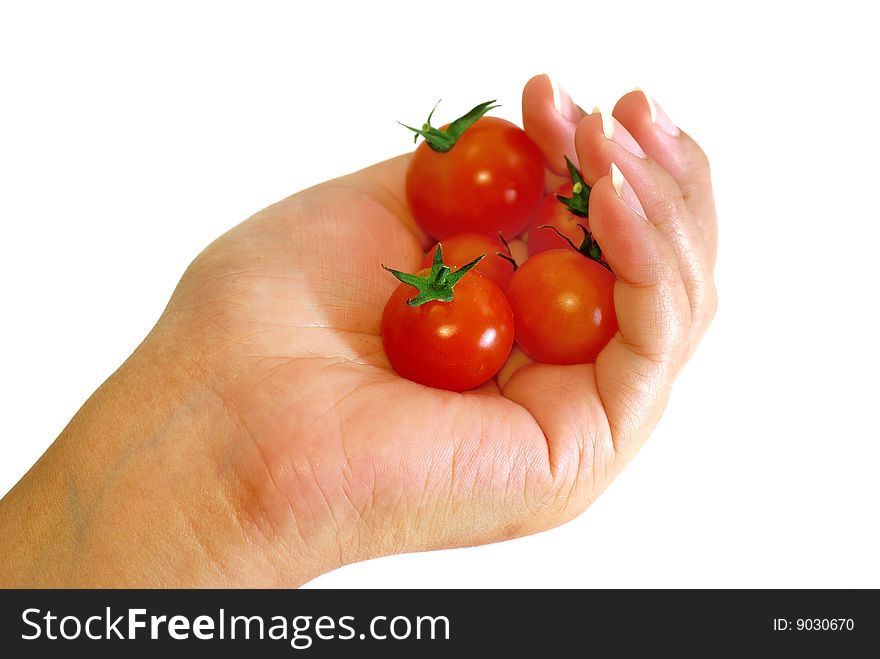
x=492 y=180
x=555 y=214
x=463 y=248
x=563 y=306
x=455 y=345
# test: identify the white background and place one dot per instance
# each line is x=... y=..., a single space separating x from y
x=133 y=134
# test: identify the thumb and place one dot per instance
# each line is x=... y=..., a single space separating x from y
x=385 y=183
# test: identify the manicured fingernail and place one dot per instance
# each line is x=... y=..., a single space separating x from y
x=613 y=130
x=563 y=103
x=625 y=191
x=659 y=117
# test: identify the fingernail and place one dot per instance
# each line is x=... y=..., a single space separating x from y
x=613 y=130
x=625 y=191
x=563 y=103
x=659 y=117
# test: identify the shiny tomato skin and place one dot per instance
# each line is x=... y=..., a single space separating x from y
x=462 y=248
x=563 y=306
x=554 y=213
x=455 y=345
x=492 y=180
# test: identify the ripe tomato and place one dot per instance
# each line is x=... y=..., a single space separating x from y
x=456 y=344
x=553 y=213
x=564 y=212
x=563 y=306
x=491 y=180
x=465 y=247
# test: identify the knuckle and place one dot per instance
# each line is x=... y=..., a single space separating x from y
x=704 y=161
x=711 y=307
x=596 y=451
x=676 y=332
x=666 y=207
x=705 y=305
x=664 y=268
x=699 y=159
x=577 y=479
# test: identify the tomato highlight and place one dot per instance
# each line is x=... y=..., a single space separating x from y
x=563 y=307
x=479 y=174
x=447 y=329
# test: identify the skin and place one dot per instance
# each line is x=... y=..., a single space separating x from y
x=258 y=437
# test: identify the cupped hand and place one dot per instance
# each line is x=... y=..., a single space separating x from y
x=320 y=454
x=340 y=454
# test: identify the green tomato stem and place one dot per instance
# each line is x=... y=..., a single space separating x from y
x=579 y=202
x=443 y=140
x=438 y=284
x=588 y=247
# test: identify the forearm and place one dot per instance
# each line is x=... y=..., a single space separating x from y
x=134 y=491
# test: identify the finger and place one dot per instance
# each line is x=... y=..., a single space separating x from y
x=601 y=140
x=635 y=370
x=678 y=154
x=595 y=417
x=550 y=118
x=565 y=403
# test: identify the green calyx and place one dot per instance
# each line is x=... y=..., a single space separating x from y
x=579 y=202
x=443 y=140
x=588 y=247
x=437 y=284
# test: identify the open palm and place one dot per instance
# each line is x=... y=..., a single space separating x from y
x=338 y=454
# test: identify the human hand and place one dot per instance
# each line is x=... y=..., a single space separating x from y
x=269 y=441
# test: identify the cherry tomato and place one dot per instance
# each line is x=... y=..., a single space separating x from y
x=555 y=214
x=563 y=306
x=463 y=248
x=562 y=221
x=456 y=345
x=492 y=180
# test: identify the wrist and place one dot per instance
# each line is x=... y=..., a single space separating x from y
x=143 y=489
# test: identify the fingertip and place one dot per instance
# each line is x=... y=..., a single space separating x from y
x=671 y=147
x=633 y=104
x=549 y=118
x=676 y=152
x=535 y=85
x=639 y=106
x=589 y=143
